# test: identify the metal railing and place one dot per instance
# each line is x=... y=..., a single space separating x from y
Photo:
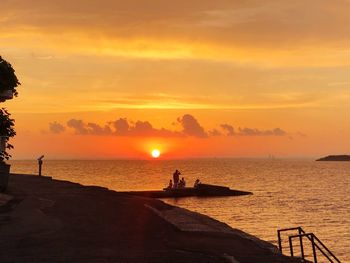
x=315 y=244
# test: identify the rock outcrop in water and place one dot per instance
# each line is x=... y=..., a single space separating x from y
x=335 y=158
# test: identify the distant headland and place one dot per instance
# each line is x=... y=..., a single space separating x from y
x=335 y=158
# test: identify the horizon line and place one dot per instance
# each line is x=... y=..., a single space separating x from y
x=168 y=159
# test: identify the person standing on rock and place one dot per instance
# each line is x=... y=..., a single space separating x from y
x=176 y=177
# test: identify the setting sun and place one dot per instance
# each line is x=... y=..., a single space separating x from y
x=155 y=153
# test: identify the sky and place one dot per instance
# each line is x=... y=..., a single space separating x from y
x=115 y=79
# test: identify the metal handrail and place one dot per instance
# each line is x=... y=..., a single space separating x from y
x=312 y=237
x=279 y=236
x=319 y=241
x=284 y=230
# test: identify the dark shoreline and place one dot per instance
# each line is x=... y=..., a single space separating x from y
x=45 y=220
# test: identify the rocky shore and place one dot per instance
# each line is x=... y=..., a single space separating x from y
x=46 y=220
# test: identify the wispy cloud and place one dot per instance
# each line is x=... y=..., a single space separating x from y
x=269 y=33
x=230 y=131
x=257 y=132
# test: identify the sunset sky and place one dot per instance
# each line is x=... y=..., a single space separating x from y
x=116 y=79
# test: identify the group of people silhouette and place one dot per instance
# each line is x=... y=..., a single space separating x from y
x=177 y=183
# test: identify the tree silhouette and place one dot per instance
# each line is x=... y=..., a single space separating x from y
x=8 y=78
x=8 y=82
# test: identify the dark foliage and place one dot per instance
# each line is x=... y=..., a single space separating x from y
x=6 y=132
x=8 y=78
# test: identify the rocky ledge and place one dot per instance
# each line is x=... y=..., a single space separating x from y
x=46 y=220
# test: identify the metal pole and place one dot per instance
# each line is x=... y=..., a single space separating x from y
x=301 y=244
x=324 y=246
x=279 y=240
x=313 y=248
x=291 y=247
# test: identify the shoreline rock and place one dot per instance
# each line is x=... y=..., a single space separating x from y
x=60 y=221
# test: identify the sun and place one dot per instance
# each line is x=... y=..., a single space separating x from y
x=155 y=153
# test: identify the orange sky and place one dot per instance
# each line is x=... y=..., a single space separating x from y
x=114 y=79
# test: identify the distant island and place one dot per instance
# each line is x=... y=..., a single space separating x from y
x=335 y=158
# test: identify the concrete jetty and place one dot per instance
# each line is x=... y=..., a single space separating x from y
x=46 y=220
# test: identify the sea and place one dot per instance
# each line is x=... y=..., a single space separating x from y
x=286 y=193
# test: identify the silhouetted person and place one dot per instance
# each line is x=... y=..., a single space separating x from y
x=176 y=177
x=170 y=184
x=196 y=183
x=40 y=163
x=182 y=183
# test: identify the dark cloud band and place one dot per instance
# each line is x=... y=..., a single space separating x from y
x=189 y=127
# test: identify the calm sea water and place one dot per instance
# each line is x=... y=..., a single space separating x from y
x=314 y=195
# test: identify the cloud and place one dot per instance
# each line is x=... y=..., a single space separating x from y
x=257 y=132
x=143 y=128
x=188 y=123
x=140 y=128
x=250 y=20
x=96 y=129
x=214 y=132
x=191 y=126
x=228 y=128
x=200 y=29
x=90 y=128
x=56 y=128
x=78 y=125
x=121 y=127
